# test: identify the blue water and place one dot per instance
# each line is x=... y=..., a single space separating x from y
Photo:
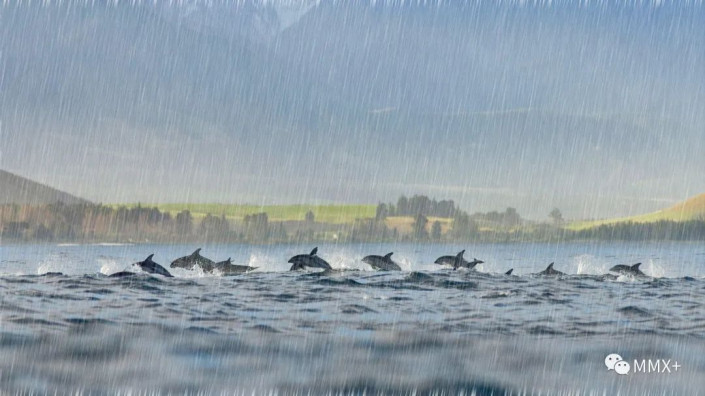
x=422 y=330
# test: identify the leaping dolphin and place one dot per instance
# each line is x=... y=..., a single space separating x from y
x=153 y=268
x=458 y=261
x=549 y=271
x=382 y=263
x=228 y=268
x=308 y=260
x=193 y=260
x=629 y=270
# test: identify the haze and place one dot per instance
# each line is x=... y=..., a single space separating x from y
x=596 y=110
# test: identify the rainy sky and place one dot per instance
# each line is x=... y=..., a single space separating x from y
x=597 y=108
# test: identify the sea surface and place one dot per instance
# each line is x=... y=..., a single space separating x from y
x=424 y=330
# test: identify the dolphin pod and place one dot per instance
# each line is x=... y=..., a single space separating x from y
x=194 y=260
x=312 y=260
x=458 y=261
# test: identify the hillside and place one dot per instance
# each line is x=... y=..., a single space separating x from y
x=16 y=189
x=690 y=209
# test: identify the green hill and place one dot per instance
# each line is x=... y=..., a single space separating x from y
x=690 y=209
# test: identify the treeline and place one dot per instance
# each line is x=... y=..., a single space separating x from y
x=418 y=204
x=98 y=223
x=692 y=230
x=91 y=223
x=85 y=222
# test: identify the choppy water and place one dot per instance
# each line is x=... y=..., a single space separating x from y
x=420 y=330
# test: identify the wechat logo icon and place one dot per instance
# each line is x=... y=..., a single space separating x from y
x=615 y=362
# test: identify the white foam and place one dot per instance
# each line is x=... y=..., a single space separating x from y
x=110 y=266
x=344 y=261
x=587 y=264
x=265 y=263
x=653 y=269
x=404 y=262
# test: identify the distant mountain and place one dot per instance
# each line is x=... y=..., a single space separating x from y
x=594 y=111
x=18 y=190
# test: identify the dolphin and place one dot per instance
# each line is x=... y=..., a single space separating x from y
x=193 y=260
x=308 y=260
x=228 y=268
x=458 y=261
x=629 y=270
x=382 y=263
x=509 y=272
x=153 y=268
x=549 y=271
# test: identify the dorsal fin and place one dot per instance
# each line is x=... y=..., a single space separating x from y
x=460 y=255
x=509 y=272
x=197 y=252
x=149 y=258
x=314 y=251
x=388 y=256
x=550 y=267
x=636 y=266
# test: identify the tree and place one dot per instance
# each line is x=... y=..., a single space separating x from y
x=184 y=223
x=402 y=206
x=436 y=231
x=382 y=212
x=463 y=226
x=310 y=217
x=214 y=227
x=557 y=217
x=511 y=218
x=257 y=227
x=419 y=226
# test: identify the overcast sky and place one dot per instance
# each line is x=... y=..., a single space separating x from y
x=597 y=110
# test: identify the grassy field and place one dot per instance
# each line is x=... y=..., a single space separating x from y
x=690 y=209
x=334 y=214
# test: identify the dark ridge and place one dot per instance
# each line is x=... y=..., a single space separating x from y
x=449 y=284
x=631 y=310
x=543 y=330
x=52 y=274
x=16 y=189
x=419 y=277
x=197 y=329
x=265 y=328
x=338 y=282
x=88 y=321
x=356 y=309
